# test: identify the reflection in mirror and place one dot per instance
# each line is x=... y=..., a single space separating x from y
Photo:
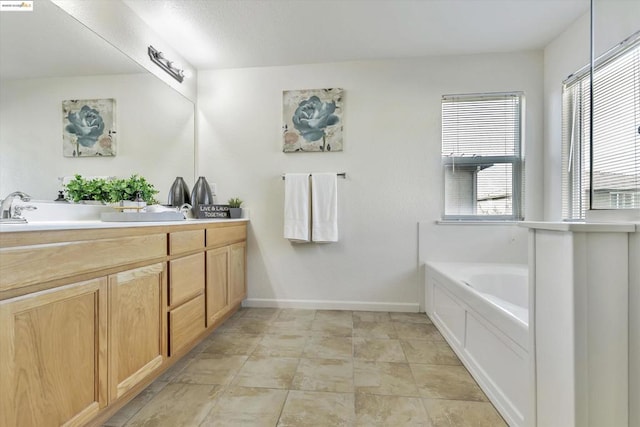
x=47 y=57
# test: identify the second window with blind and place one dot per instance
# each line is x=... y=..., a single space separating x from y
x=482 y=156
x=613 y=167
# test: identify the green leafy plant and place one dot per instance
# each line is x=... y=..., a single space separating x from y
x=80 y=188
x=234 y=202
x=131 y=188
x=111 y=190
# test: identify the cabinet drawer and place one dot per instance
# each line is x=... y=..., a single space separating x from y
x=186 y=278
x=185 y=324
x=185 y=241
x=226 y=235
x=29 y=265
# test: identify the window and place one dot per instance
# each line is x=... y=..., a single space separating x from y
x=616 y=134
x=481 y=156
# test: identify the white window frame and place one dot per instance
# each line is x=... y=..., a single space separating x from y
x=576 y=185
x=479 y=162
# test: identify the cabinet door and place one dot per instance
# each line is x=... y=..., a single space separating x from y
x=136 y=326
x=53 y=356
x=237 y=283
x=216 y=284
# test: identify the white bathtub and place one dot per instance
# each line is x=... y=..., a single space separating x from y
x=482 y=311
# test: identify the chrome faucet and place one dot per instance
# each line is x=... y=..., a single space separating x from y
x=17 y=211
x=5 y=207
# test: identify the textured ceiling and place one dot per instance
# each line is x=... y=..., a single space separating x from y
x=246 y=33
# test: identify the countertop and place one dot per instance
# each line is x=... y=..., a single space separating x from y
x=79 y=225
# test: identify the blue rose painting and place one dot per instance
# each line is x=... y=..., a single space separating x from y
x=89 y=128
x=313 y=120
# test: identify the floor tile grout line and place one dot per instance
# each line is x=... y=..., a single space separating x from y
x=307 y=335
x=284 y=403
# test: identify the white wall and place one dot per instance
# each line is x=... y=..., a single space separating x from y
x=614 y=21
x=563 y=56
x=391 y=157
x=155 y=132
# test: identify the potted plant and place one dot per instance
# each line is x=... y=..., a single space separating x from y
x=235 y=211
x=133 y=189
x=80 y=189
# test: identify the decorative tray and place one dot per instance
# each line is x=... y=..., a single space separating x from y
x=129 y=208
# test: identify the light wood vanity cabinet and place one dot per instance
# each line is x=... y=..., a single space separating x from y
x=186 y=289
x=53 y=356
x=186 y=278
x=226 y=286
x=217 y=284
x=88 y=318
x=136 y=326
x=237 y=281
x=186 y=323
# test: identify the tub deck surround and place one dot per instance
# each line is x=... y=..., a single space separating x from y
x=110 y=307
x=504 y=286
x=582 y=277
x=481 y=309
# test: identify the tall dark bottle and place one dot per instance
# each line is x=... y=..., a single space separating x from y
x=201 y=194
x=179 y=193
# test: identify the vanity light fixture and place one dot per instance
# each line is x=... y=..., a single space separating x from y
x=169 y=66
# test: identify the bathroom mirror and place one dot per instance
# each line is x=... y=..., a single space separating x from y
x=47 y=57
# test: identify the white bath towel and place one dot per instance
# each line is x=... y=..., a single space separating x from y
x=297 y=207
x=324 y=207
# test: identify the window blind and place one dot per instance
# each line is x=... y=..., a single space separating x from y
x=481 y=153
x=575 y=150
x=616 y=134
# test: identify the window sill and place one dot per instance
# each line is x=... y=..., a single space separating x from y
x=477 y=222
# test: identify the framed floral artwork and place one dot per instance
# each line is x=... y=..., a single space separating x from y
x=312 y=120
x=89 y=128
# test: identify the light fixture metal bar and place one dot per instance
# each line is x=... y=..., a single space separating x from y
x=158 y=58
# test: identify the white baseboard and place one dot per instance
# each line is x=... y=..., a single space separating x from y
x=332 y=305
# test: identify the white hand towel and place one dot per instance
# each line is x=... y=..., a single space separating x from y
x=324 y=207
x=296 y=207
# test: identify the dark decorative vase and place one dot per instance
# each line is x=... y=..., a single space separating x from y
x=179 y=193
x=201 y=194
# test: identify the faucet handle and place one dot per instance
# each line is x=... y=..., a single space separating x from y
x=17 y=210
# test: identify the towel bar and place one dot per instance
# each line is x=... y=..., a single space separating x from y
x=340 y=175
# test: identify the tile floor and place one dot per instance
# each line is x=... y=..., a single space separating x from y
x=289 y=367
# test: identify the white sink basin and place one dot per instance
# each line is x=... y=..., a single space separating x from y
x=50 y=211
x=59 y=211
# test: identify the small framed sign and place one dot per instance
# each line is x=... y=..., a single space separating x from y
x=213 y=211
